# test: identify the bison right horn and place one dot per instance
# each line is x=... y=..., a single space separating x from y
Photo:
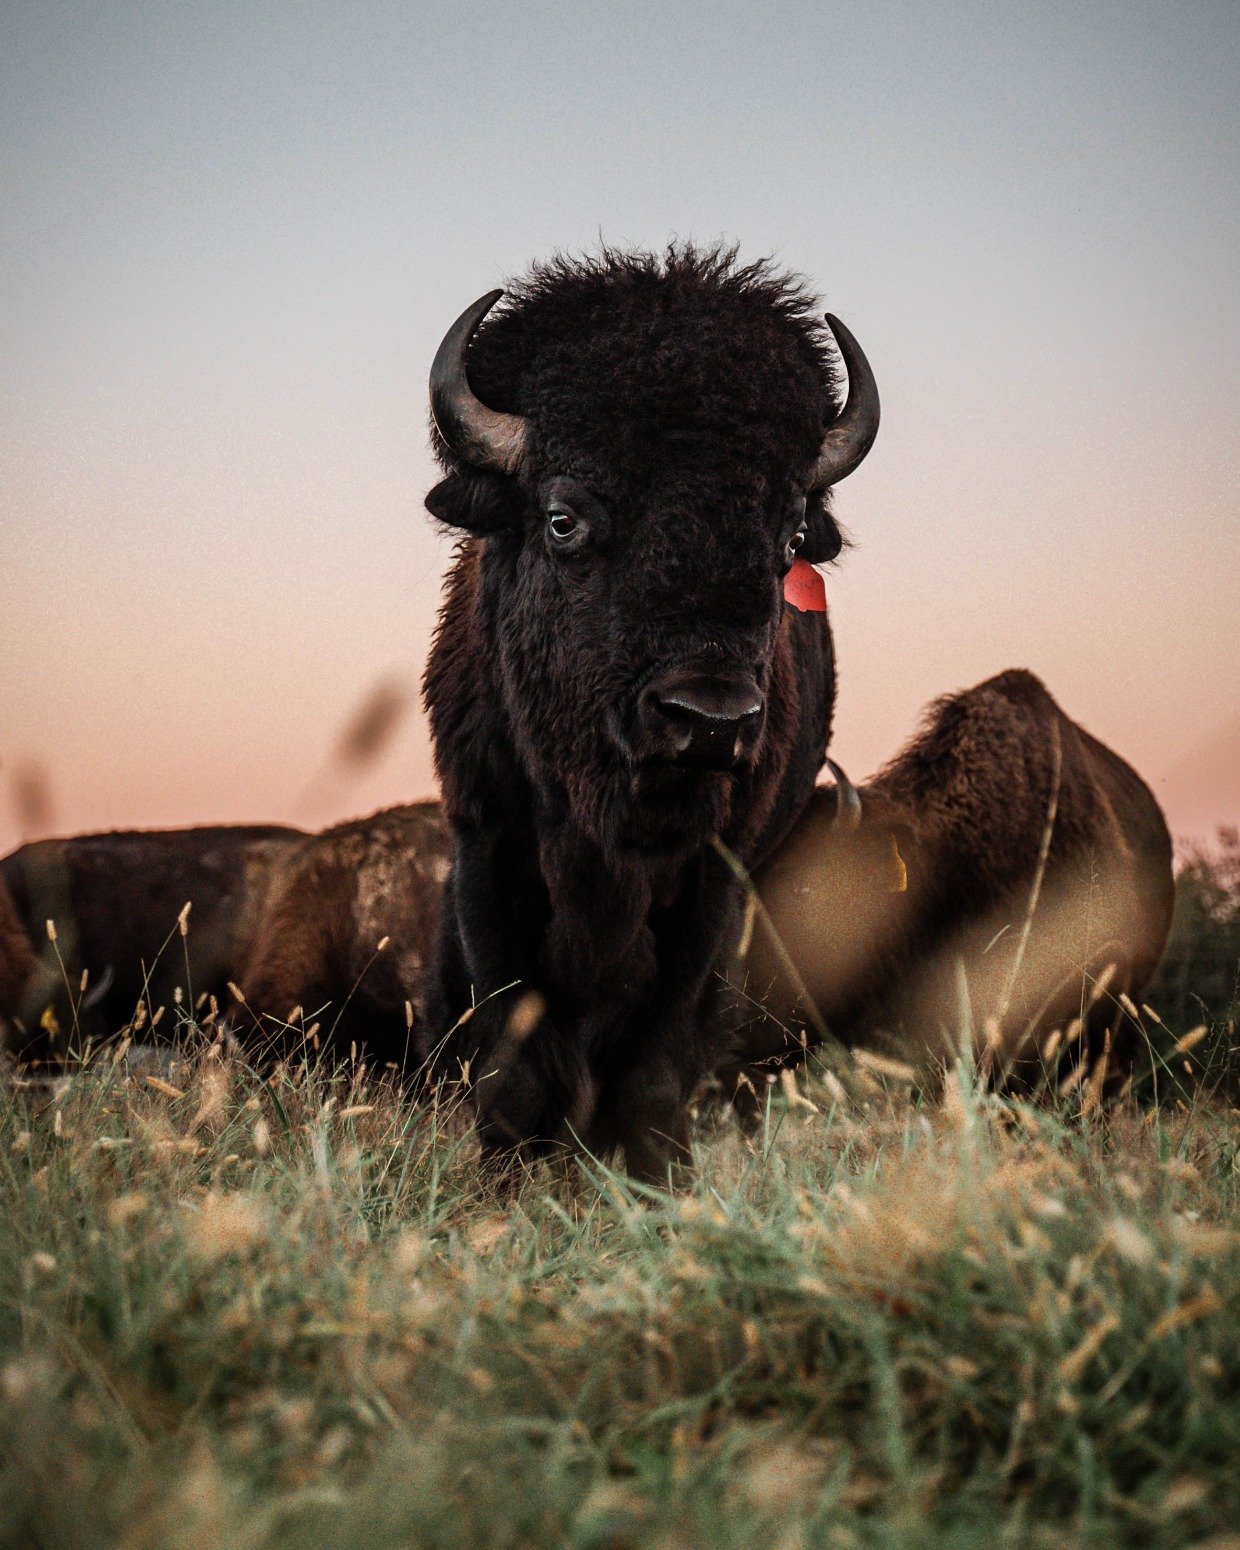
x=483 y=437
x=853 y=433
x=848 y=801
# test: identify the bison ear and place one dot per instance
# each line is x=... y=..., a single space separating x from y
x=823 y=539
x=473 y=502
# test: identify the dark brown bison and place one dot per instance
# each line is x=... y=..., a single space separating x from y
x=18 y=966
x=1004 y=838
x=343 y=941
x=637 y=450
x=116 y=900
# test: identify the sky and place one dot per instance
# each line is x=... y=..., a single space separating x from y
x=232 y=236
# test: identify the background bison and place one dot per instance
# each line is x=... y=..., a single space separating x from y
x=344 y=939
x=638 y=453
x=115 y=900
x=1000 y=803
x=330 y=931
x=18 y=965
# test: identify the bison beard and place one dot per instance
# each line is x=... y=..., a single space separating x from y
x=638 y=451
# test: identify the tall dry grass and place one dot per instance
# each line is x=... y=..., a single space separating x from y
x=288 y=1313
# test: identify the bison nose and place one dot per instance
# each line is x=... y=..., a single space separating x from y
x=701 y=720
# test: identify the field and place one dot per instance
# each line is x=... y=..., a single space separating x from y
x=248 y=1313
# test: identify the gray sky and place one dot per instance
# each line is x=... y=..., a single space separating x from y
x=230 y=238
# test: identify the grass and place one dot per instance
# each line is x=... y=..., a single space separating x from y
x=254 y=1315
x=1199 y=977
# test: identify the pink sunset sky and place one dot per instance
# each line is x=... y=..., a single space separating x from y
x=232 y=239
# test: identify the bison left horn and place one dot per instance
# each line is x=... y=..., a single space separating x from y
x=853 y=433
x=848 y=801
x=484 y=437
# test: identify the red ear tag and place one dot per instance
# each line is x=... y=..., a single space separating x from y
x=805 y=589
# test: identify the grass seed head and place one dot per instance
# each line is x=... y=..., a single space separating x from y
x=1129 y=1242
x=526 y=1015
x=124 y=1207
x=224 y=1224
x=1073 y=1366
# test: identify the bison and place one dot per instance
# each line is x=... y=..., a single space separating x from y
x=18 y=966
x=632 y=663
x=344 y=939
x=115 y=900
x=1004 y=837
x=337 y=927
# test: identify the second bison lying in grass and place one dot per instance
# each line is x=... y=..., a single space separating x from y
x=1003 y=839
x=344 y=937
x=330 y=929
x=114 y=902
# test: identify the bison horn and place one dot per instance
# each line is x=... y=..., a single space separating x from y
x=475 y=434
x=852 y=435
x=848 y=801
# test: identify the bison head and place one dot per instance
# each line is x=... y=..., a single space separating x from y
x=644 y=446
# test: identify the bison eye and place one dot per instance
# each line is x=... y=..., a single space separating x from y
x=793 y=544
x=574 y=517
x=563 y=525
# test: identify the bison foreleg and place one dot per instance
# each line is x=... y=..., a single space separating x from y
x=497 y=1041
x=645 y=1108
x=651 y=1106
